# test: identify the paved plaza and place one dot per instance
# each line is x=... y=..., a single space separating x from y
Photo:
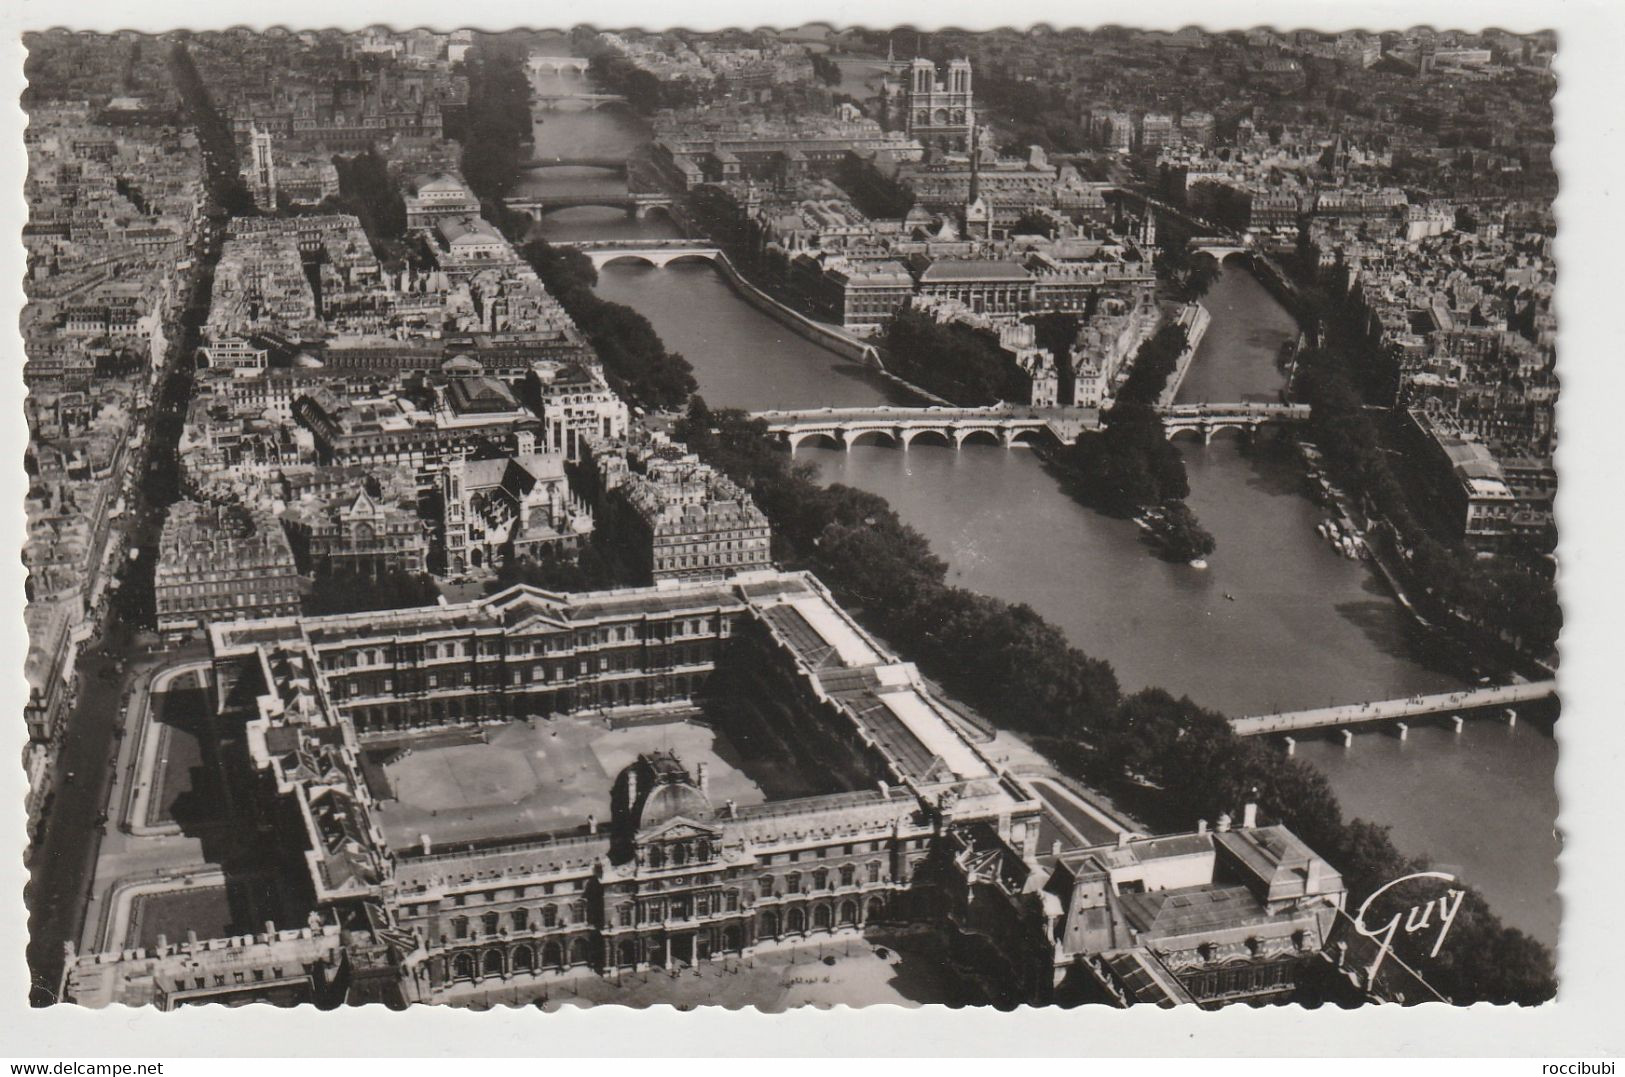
x=905 y=969
x=535 y=777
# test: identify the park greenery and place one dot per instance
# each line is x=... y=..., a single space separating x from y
x=635 y=360
x=646 y=92
x=344 y=591
x=367 y=190
x=1129 y=467
x=827 y=70
x=957 y=362
x=877 y=195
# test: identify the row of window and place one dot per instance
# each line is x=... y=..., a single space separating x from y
x=821 y=878
x=548 y=916
x=435 y=650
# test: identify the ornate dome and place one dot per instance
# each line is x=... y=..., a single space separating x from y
x=668 y=800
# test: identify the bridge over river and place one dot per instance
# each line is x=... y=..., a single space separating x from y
x=1347 y=716
x=1007 y=424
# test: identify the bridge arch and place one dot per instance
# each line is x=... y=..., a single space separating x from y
x=611 y=257
x=1026 y=436
x=689 y=256
x=855 y=437
x=1243 y=430
x=964 y=435
x=796 y=438
x=1175 y=431
x=933 y=434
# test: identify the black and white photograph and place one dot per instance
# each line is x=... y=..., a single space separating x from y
x=557 y=517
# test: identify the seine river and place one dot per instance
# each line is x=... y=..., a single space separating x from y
x=1279 y=621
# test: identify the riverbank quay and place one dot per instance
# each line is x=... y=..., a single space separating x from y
x=1194 y=319
x=829 y=337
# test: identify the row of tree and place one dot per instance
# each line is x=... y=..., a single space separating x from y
x=957 y=362
x=497 y=120
x=635 y=359
x=1179 y=761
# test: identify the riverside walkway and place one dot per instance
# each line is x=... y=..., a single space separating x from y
x=1388 y=710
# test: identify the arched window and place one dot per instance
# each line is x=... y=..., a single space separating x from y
x=523 y=959
x=702 y=849
x=657 y=856
x=849 y=912
x=770 y=924
x=679 y=854
x=877 y=910
x=491 y=965
x=463 y=967
x=797 y=921
x=629 y=952
x=552 y=956
x=579 y=954
x=821 y=917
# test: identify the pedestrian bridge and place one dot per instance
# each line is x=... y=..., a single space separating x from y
x=1005 y=426
x=659 y=253
x=1394 y=710
x=1210 y=419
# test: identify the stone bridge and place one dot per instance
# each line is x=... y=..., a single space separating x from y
x=1220 y=247
x=575 y=102
x=609 y=164
x=556 y=65
x=636 y=203
x=659 y=253
x=1210 y=419
x=1005 y=426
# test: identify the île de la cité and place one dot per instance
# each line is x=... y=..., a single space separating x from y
x=785 y=518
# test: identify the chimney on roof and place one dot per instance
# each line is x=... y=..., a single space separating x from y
x=1249 y=815
x=1055 y=847
x=1201 y=826
x=426 y=843
x=1122 y=839
x=1311 y=876
x=592 y=823
x=1224 y=823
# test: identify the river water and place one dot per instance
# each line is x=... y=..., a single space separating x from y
x=1279 y=621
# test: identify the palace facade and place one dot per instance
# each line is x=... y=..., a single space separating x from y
x=660 y=868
